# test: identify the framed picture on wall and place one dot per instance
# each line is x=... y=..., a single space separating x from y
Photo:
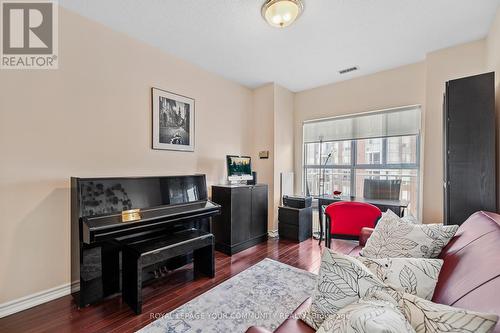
x=173 y=121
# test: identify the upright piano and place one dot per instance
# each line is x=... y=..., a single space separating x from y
x=167 y=204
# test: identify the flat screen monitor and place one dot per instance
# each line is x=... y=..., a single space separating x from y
x=239 y=168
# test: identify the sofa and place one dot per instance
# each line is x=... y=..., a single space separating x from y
x=469 y=278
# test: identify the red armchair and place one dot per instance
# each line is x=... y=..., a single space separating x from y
x=347 y=218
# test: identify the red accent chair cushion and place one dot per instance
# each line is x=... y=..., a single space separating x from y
x=347 y=218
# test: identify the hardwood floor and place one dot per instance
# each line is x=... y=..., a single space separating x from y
x=164 y=295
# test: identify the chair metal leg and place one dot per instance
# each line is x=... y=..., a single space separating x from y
x=320 y=217
x=327 y=232
x=320 y=238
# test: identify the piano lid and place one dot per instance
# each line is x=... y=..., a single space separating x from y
x=105 y=196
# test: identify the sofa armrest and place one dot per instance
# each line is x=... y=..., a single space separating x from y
x=364 y=235
x=255 y=329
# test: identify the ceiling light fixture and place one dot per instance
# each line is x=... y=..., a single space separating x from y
x=281 y=13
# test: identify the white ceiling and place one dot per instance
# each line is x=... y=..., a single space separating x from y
x=230 y=38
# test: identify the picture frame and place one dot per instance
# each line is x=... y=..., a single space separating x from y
x=173 y=121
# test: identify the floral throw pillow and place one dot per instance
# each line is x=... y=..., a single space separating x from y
x=394 y=238
x=416 y=276
x=428 y=317
x=342 y=280
x=372 y=316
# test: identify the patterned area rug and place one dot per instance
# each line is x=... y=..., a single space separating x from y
x=264 y=295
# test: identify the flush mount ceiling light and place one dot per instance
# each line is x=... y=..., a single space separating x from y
x=281 y=13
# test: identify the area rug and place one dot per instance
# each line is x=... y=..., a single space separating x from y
x=264 y=295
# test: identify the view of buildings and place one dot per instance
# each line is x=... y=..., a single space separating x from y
x=377 y=158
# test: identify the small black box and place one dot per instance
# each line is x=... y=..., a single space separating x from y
x=297 y=201
x=294 y=223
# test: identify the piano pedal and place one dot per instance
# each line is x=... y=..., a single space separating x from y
x=164 y=270
x=156 y=273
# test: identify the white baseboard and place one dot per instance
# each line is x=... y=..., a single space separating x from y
x=35 y=299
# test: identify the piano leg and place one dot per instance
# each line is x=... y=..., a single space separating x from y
x=132 y=284
x=204 y=261
x=110 y=258
x=99 y=272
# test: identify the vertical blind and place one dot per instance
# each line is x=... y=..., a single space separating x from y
x=394 y=122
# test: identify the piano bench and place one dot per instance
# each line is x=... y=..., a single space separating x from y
x=136 y=256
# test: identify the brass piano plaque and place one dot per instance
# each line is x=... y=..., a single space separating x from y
x=131 y=215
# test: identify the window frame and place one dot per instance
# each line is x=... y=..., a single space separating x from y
x=354 y=166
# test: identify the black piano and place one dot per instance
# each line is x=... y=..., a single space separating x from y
x=168 y=205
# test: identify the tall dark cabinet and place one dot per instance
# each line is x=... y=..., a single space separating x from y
x=243 y=221
x=469 y=147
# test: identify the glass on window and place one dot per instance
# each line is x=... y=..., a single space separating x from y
x=311 y=153
x=409 y=183
x=402 y=150
x=334 y=180
x=340 y=153
x=337 y=180
x=369 y=151
x=312 y=181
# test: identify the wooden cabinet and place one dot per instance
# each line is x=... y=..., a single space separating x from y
x=243 y=221
x=469 y=147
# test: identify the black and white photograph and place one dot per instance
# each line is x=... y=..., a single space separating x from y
x=173 y=121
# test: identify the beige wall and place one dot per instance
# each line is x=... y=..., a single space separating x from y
x=493 y=63
x=443 y=65
x=263 y=138
x=283 y=142
x=272 y=131
x=493 y=48
x=92 y=117
x=421 y=83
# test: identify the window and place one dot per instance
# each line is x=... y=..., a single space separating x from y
x=343 y=165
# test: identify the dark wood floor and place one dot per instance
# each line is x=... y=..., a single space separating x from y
x=162 y=296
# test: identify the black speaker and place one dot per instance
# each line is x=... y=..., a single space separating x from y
x=254 y=179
